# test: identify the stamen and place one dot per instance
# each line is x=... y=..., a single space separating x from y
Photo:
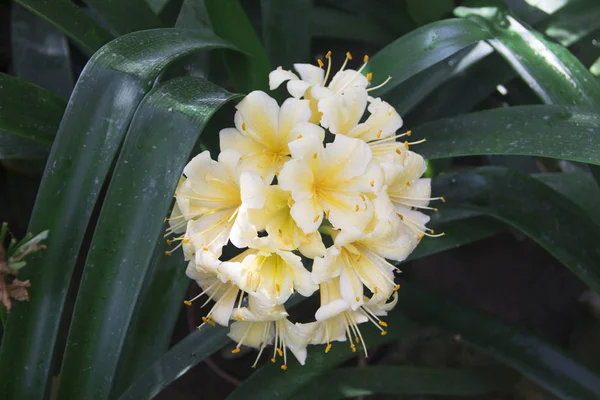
x=328 y=57
x=370 y=77
x=389 y=78
x=316 y=218
x=365 y=58
x=320 y=63
x=348 y=55
x=328 y=348
x=235 y=351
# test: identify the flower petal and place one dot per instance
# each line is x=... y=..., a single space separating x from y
x=346 y=79
x=308 y=214
x=310 y=73
x=351 y=287
x=260 y=114
x=278 y=76
x=343 y=112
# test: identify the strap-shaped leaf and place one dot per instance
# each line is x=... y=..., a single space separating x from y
x=248 y=71
x=286 y=30
x=549 y=366
x=40 y=52
x=569 y=133
x=98 y=115
x=29 y=111
x=550 y=70
x=72 y=20
x=386 y=379
x=422 y=48
x=125 y=16
x=156 y=148
x=556 y=223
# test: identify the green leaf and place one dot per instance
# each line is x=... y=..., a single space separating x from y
x=40 y=53
x=569 y=133
x=457 y=233
x=125 y=16
x=156 y=148
x=422 y=48
x=97 y=117
x=426 y=12
x=550 y=70
x=272 y=383
x=72 y=20
x=286 y=30
x=552 y=220
x=334 y=24
x=177 y=361
x=154 y=318
x=250 y=71
x=595 y=68
x=14 y=147
x=29 y=111
x=579 y=187
x=386 y=379
x=549 y=366
x=576 y=19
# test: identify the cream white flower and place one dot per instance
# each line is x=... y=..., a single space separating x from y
x=270 y=274
x=282 y=230
x=259 y=325
x=214 y=199
x=359 y=258
x=263 y=130
x=330 y=180
x=336 y=321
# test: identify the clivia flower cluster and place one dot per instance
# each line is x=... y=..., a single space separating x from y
x=279 y=187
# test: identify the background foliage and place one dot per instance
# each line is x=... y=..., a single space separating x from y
x=507 y=95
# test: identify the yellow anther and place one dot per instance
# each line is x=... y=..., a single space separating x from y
x=243 y=126
x=420 y=236
x=278 y=289
x=169 y=242
x=316 y=218
x=328 y=348
x=396 y=288
x=408 y=133
x=383 y=323
x=406 y=145
x=348 y=55
x=273 y=360
x=187 y=303
x=356 y=340
x=407 y=183
x=236 y=350
x=315 y=155
x=383 y=333
x=375 y=290
x=320 y=63
x=432 y=231
x=389 y=113
x=357 y=298
x=327 y=213
x=362 y=196
x=369 y=76
x=353 y=347
x=435 y=209
x=238 y=317
x=299 y=137
x=279 y=352
x=186 y=240
x=205 y=248
x=365 y=58
x=379 y=134
x=356 y=208
x=443 y=199
x=372 y=183
x=168 y=253
x=398 y=151
x=284 y=367
x=328 y=54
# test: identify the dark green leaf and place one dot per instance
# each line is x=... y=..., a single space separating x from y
x=101 y=107
x=422 y=48
x=552 y=220
x=72 y=20
x=549 y=366
x=15 y=147
x=154 y=319
x=125 y=16
x=550 y=70
x=576 y=19
x=184 y=355
x=386 y=379
x=335 y=24
x=156 y=148
x=272 y=383
x=40 y=53
x=426 y=12
x=250 y=71
x=547 y=131
x=29 y=111
x=286 y=30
